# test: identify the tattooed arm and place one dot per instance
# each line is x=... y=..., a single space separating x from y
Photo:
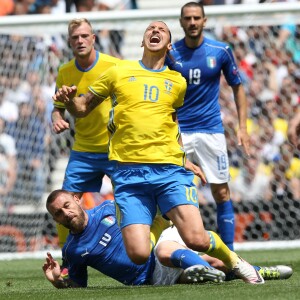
x=79 y=106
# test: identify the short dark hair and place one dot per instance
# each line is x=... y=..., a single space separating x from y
x=54 y=194
x=193 y=4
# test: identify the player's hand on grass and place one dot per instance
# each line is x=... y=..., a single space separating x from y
x=51 y=269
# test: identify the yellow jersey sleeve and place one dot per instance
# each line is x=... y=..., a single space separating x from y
x=104 y=85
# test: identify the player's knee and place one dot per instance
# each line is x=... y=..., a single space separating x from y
x=138 y=257
x=163 y=254
x=220 y=192
x=198 y=242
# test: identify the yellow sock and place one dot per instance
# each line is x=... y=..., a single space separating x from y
x=62 y=233
x=158 y=226
x=219 y=250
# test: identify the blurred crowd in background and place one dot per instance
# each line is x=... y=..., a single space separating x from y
x=22 y=7
x=269 y=62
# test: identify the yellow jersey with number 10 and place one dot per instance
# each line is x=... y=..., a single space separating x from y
x=91 y=131
x=141 y=121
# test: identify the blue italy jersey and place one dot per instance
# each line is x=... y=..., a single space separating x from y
x=202 y=68
x=101 y=247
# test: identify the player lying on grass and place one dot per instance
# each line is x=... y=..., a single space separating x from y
x=95 y=240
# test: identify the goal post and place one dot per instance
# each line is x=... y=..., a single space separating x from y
x=33 y=46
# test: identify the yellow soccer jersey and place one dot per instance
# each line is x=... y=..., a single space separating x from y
x=90 y=132
x=141 y=122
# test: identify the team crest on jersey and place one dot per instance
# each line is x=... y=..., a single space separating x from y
x=211 y=62
x=234 y=71
x=132 y=78
x=108 y=221
x=168 y=85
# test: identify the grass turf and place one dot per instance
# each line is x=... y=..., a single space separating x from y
x=24 y=279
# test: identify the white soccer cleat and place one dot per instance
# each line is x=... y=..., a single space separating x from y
x=276 y=272
x=247 y=273
x=200 y=274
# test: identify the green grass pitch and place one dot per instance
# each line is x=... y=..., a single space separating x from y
x=24 y=279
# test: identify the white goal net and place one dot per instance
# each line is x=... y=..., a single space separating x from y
x=265 y=188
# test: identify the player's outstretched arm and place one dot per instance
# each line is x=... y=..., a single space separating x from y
x=52 y=272
x=79 y=106
x=241 y=106
x=75 y=105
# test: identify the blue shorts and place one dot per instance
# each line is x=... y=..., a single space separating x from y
x=140 y=188
x=85 y=171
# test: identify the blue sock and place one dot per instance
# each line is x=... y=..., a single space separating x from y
x=184 y=258
x=226 y=224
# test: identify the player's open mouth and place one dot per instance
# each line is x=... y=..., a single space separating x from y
x=155 y=39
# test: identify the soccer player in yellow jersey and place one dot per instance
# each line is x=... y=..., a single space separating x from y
x=85 y=169
x=145 y=142
x=88 y=162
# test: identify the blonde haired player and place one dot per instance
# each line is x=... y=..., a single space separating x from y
x=88 y=162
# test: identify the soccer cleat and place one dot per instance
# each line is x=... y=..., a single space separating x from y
x=276 y=272
x=247 y=273
x=200 y=274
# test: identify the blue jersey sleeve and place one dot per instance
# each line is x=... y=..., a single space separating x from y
x=229 y=68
